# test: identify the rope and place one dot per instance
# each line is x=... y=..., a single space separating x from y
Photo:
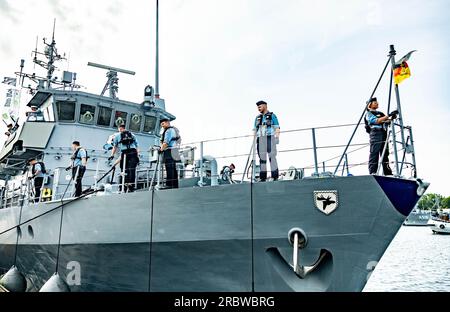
x=362 y=115
x=60 y=222
x=20 y=219
x=49 y=211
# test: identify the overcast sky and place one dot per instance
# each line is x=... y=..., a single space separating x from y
x=315 y=62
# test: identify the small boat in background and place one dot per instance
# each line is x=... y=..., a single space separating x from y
x=418 y=217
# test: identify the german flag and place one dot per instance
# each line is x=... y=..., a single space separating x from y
x=401 y=68
x=401 y=72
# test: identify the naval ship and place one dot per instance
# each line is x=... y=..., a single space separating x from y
x=323 y=232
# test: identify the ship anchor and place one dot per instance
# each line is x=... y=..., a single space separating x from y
x=298 y=239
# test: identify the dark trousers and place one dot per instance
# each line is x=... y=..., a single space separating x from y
x=266 y=145
x=377 y=141
x=78 y=178
x=171 y=169
x=37 y=188
x=132 y=160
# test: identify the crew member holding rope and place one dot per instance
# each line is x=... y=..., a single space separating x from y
x=128 y=145
x=170 y=142
x=267 y=131
x=376 y=125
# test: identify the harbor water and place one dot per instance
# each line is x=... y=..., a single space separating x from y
x=416 y=260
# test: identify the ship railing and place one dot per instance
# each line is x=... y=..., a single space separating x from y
x=300 y=155
x=315 y=152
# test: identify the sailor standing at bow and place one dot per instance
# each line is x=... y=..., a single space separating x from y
x=376 y=124
x=267 y=131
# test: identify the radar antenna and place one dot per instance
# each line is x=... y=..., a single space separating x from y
x=112 y=84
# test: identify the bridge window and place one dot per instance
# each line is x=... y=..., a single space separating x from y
x=120 y=119
x=135 y=122
x=66 y=110
x=87 y=113
x=104 y=116
x=150 y=124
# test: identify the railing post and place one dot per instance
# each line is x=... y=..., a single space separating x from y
x=200 y=172
x=346 y=163
x=394 y=142
x=55 y=183
x=316 y=168
x=413 y=152
x=392 y=53
x=123 y=173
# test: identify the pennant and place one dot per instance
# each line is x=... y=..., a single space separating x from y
x=405 y=58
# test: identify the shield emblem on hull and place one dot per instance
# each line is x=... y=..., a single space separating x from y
x=326 y=201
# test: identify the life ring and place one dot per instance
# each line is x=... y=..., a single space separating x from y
x=119 y=121
x=87 y=117
x=136 y=119
x=46 y=194
x=442 y=226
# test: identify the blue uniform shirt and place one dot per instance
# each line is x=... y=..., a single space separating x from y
x=80 y=154
x=372 y=121
x=37 y=167
x=168 y=136
x=122 y=147
x=263 y=130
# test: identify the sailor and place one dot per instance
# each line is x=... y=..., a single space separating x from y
x=376 y=124
x=37 y=174
x=267 y=130
x=35 y=114
x=79 y=160
x=9 y=129
x=227 y=173
x=169 y=147
x=126 y=142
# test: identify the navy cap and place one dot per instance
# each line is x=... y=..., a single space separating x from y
x=373 y=99
x=260 y=103
x=164 y=119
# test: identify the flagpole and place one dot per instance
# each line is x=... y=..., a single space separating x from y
x=392 y=53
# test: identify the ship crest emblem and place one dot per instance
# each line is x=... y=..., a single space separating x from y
x=326 y=201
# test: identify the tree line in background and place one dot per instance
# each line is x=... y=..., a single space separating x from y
x=433 y=201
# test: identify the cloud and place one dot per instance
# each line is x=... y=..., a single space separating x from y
x=8 y=11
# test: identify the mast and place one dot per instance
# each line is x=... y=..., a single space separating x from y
x=51 y=58
x=398 y=168
x=157 y=52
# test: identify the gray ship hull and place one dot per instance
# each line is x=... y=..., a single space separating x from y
x=224 y=238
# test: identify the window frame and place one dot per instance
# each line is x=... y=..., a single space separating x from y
x=98 y=115
x=96 y=110
x=74 y=112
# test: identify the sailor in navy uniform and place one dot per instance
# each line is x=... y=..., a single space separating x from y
x=169 y=147
x=37 y=174
x=128 y=145
x=79 y=160
x=267 y=130
x=378 y=123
